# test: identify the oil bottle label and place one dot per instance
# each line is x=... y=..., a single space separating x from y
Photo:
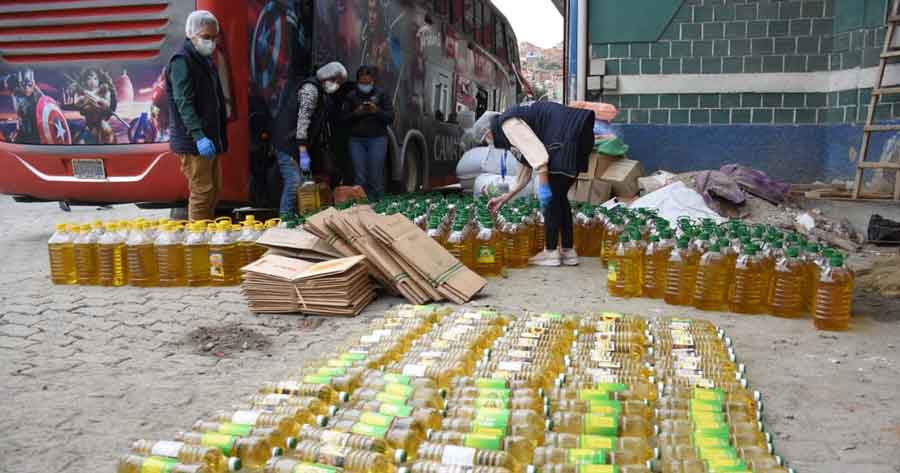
x=245 y=417
x=491 y=403
x=432 y=355
x=606 y=407
x=416 y=371
x=216 y=264
x=497 y=393
x=485 y=255
x=717 y=453
x=369 y=430
x=395 y=410
x=708 y=394
x=612 y=270
x=593 y=395
x=396 y=379
x=317 y=379
x=703 y=442
x=166 y=448
x=490 y=383
x=612 y=387
x=491 y=420
x=333 y=437
x=158 y=465
x=389 y=398
x=220 y=441
x=584 y=456
x=341 y=363
x=597 y=442
x=705 y=406
x=483 y=441
x=331 y=371
x=241 y=430
x=378 y=420
x=454 y=455
x=611 y=315
x=333 y=455
x=404 y=390
x=313 y=468
x=599 y=424
x=551 y=316
x=351 y=356
x=598 y=469
x=708 y=417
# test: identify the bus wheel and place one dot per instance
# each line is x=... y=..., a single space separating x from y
x=411 y=171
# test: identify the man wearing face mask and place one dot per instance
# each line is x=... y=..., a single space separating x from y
x=197 y=113
x=302 y=129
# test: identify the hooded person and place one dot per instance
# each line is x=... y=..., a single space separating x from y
x=302 y=133
x=556 y=142
x=197 y=113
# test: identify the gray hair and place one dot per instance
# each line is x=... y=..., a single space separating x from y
x=198 y=20
x=331 y=70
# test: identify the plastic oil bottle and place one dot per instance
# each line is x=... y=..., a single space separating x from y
x=308 y=197
x=748 y=290
x=62 y=256
x=141 y=255
x=112 y=265
x=788 y=285
x=615 y=227
x=711 y=288
x=656 y=260
x=196 y=255
x=223 y=257
x=85 y=245
x=170 y=256
x=681 y=274
x=488 y=249
x=248 y=249
x=833 y=297
x=515 y=239
x=623 y=277
x=459 y=245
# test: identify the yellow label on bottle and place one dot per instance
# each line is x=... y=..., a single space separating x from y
x=483 y=441
x=378 y=420
x=158 y=465
x=395 y=410
x=397 y=389
x=611 y=315
x=388 y=398
x=597 y=442
x=488 y=431
x=586 y=456
x=241 y=430
x=485 y=255
x=369 y=430
x=216 y=264
x=313 y=468
x=220 y=441
x=708 y=417
x=703 y=394
x=703 y=442
x=598 y=424
x=611 y=274
x=598 y=469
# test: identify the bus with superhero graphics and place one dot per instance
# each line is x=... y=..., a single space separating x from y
x=84 y=115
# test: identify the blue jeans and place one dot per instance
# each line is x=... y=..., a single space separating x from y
x=368 y=156
x=290 y=177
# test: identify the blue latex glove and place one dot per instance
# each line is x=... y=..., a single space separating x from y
x=544 y=194
x=305 y=161
x=206 y=148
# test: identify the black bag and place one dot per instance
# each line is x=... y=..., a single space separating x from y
x=882 y=229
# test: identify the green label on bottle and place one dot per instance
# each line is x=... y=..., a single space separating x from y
x=158 y=465
x=483 y=441
x=369 y=430
x=313 y=468
x=353 y=356
x=597 y=442
x=490 y=383
x=488 y=314
x=551 y=316
x=397 y=389
x=606 y=407
x=396 y=379
x=222 y=442
x=586 y=456
x=706 y=418
x=705 y=406
x=492 y=419
x=388 y=398
x=241 y=430
x=704 y=394
x=612 y=387
x=703 y=442
x=378 y=420
x=712 y=430
x=395 y=410
x=717 y=453
x=599 y=424
x=317 y=379
x=593 y=395
x=718 y=465
x=598 y=469
x=491 y=403
x=331 y=371
x=497 y=393
x=340 y=363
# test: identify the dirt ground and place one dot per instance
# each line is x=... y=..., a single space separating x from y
x=84 y=371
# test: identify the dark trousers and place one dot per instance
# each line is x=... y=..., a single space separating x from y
x=558 y=215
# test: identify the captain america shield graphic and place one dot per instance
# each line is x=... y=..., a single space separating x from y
x=272 y=50
x=52 y=126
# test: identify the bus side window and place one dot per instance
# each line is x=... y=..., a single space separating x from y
x=468 y=16
x=440 y=98
x=479 y=24
x=481 y=105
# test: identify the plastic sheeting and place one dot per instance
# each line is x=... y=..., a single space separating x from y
x=677 y=200
x=484 y=160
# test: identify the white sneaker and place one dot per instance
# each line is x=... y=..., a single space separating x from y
x=545 y=258
x=569 y=257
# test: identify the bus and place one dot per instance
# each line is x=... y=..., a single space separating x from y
x=84 y=116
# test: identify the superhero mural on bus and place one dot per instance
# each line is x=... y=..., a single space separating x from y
x=93 y=95
x=25 y=95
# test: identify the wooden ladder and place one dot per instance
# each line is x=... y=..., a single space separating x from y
x=889 y=53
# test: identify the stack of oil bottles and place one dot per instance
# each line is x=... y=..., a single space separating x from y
x=160 y=253
x=747 y=270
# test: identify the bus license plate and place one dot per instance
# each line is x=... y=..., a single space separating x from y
x=88 y=169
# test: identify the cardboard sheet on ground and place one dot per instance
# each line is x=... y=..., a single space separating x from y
x=677 y=200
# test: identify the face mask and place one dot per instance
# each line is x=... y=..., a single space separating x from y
x=205 y=47
x=366 y=89
x=331 y=87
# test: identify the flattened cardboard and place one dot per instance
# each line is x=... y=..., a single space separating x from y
x=318 y=225
x=623 y=176
x=278 y=267
x=298 y=240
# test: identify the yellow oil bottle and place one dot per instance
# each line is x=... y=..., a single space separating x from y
x=473 y=457
x=170 y=256
x=112 y=264
x=488 y=249
x=594 y=238
x=614 y=228
x=788 y=285
x=141 y=464
x=248 y=250
x=85 y=247
x=624 y=266
x=62 y=256
x=539 y=239
x=141 y=256
x=459 y=246
x=833 y=299
x=211 y=457
x=711 y=288
x=308 y=197
x=517 y=244
x=656 y=260
x=253 y=452
x=223 y=257
x=748 y=289
x=350 y=460
x=196 y=255
x=681 y=274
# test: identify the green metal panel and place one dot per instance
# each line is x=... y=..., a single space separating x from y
x=855 y=14
x=629 y=21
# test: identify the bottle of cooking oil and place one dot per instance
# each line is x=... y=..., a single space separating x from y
x=639 y=445
x=308 y=196
x=788 y=285
x=350 y=460
x=488 y=249
x=351 y=440
x=112 y=265
x=141 y=255
x=602 y=424
x=539 y=239
x=248 y=250
x=196 y=254
x=516 y=241
x=749 y=289
x=141 y=464
x=252 y=451
x=833 y=299
x=656 y=260
x=711 y=288
x=223 y=257
x=615 y=227
x=624 y=266
x=434 y=229
x=457 y=244
x=62 y=255
x=681 y=274
x=211 y=457
x=170 y=256
x=85 y=248
x=465 y=456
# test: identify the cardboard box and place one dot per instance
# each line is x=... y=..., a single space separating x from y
x=590 y=191
x=297 y=243
x=597 y=165
x=623 y=176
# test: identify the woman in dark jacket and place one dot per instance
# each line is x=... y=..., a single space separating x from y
x=568 y=137
x=368 y=113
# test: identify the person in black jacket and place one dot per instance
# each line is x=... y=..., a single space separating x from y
x=368 y=113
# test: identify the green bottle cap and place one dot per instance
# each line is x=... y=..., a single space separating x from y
x=682 y=243
x=793 y=252
x=836 y=260
x=624 y=237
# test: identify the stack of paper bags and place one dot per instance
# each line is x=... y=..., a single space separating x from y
x=282 y=285
x=297 y=244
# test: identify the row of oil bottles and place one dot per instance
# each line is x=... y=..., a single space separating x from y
x=433 y=391
x=744 y=269
x=159 y=253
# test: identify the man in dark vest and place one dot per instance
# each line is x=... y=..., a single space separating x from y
x=198 y=113
x=302 y=129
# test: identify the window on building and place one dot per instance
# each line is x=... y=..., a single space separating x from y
x=488 y=36
x=468 y=14
x=500 y=38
